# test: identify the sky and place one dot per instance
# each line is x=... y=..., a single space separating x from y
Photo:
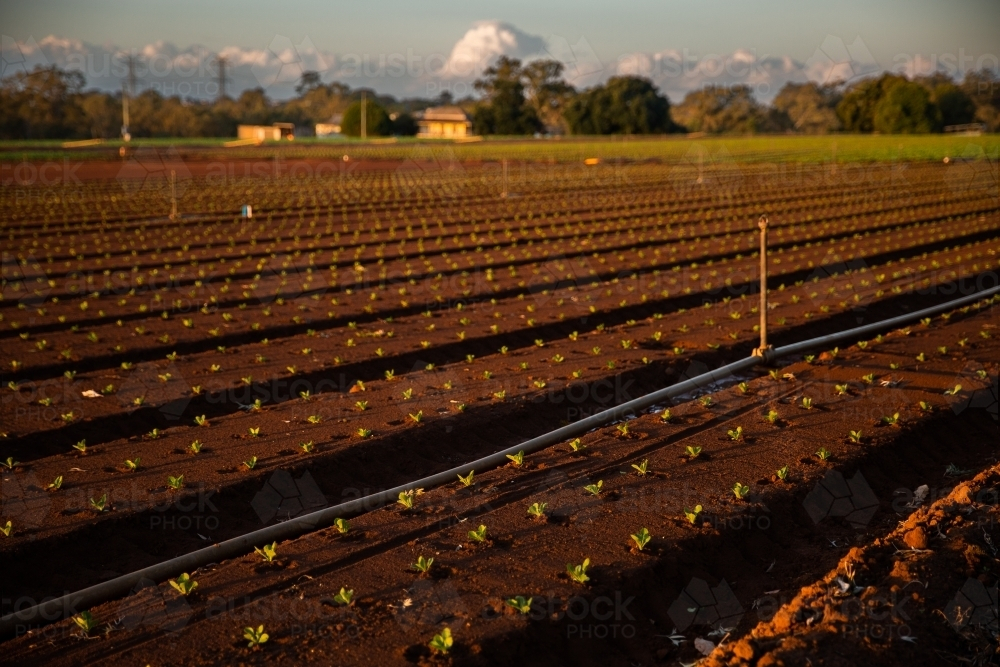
x=411 y=49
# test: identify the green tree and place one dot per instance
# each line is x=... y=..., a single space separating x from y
x=377 y=123
x=504 y=108
x=724 y=109
x=856 y=109
x=810 y=107
x=623 y=105
x=42 y=104
x=906 y=108
x=547 y=92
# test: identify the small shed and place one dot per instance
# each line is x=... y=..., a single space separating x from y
x=273 y=132
x=443 y=123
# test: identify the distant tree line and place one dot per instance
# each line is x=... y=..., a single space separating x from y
x=515 y=99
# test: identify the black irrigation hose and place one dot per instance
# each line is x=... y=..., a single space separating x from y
x=54 y=609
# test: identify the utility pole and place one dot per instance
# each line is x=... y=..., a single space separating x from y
x=126 y=136
x=128 y=90
x=364 y=114
x=504 y=193
x=222 y=76
x=764 y=347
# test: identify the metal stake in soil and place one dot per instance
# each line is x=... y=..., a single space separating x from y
x=764 y=347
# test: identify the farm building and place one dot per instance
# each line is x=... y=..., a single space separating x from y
x=273 y=132
x=443 y=123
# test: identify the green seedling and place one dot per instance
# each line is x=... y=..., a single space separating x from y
x=254 y=431
x=6 y=529
x=623 y=429
x=520 y=604
x=641 y=538
x=467 y=481
x=666 y=416
x=81 y=446
x=807 y=403
x=577 y=445
x=305 y=395
x=423 y=565
x=926 y=407
x=479 y=534
x=408 y=394
x=195 y=446
x=364 y=432
x=578 y=573
x=85 y=622
x=255 y=637
x=921 y=357
x=743 y=387
x=184 y=584
x=517 y=459
x=342 y=526
x=823 y=454
x=537 y=510
x=99 y=504
x=201 y=420
x=735 y=434
x=267 y=552
x=10 y=463
x=314 y=419
x=693 y=451
x=692 y=514
x=954 y=391
x=56 y=484
x=782 y=473
x=344 y=597
x=595 y=489
x=154 y=434
x=442 y=642
x=132 y=465
x=855 y=437
x=406 y=498
x=740 y=490
x=868 y=379
x=361 y=405
x=251 y=463
x=641 y=468
x=891 y=421
x=706 y=401
x=175 y=483
x=418 y=417
x=500 y=395
x=307 y=447
x=842 y=389
x=772 y=416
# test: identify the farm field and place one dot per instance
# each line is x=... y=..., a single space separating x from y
x=172 y=383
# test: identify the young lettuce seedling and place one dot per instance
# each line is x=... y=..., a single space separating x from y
x=201 y=420
x=578 y=573
x=577 y=445
x=666 y=416
x=364 y=432
x=254 y=432
x=740 y=490
x=926 y=407
x=423 y=565
x=99 y=504
x=6 y=529
x=406 y=497
x=807 y=403
x=537 y=510
x=595 y=488
x=255 y=637
x=184 y=584
x=641 y=538
x=419 y=417
x=467 y=481
x=891 y=421
x=823 y=454
x=56 y=484
x=267 y=552
x=251 y=463
x=314 y=419
x=692 y=514
x=517 y=459
x=735 y=434
x=782 y=473
x=85 y=622
x=195 y=446
x=175 y=483
x=641 y=468
x=341 y=525
x=855 y=437
x=307 y=447
x=693 y=452
x=362 y=405
x=442 y=642
x=520 y=604
x=772 y=416
x=10 y=463
x=842 y=389
x=344 y=597
x=479 y=534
